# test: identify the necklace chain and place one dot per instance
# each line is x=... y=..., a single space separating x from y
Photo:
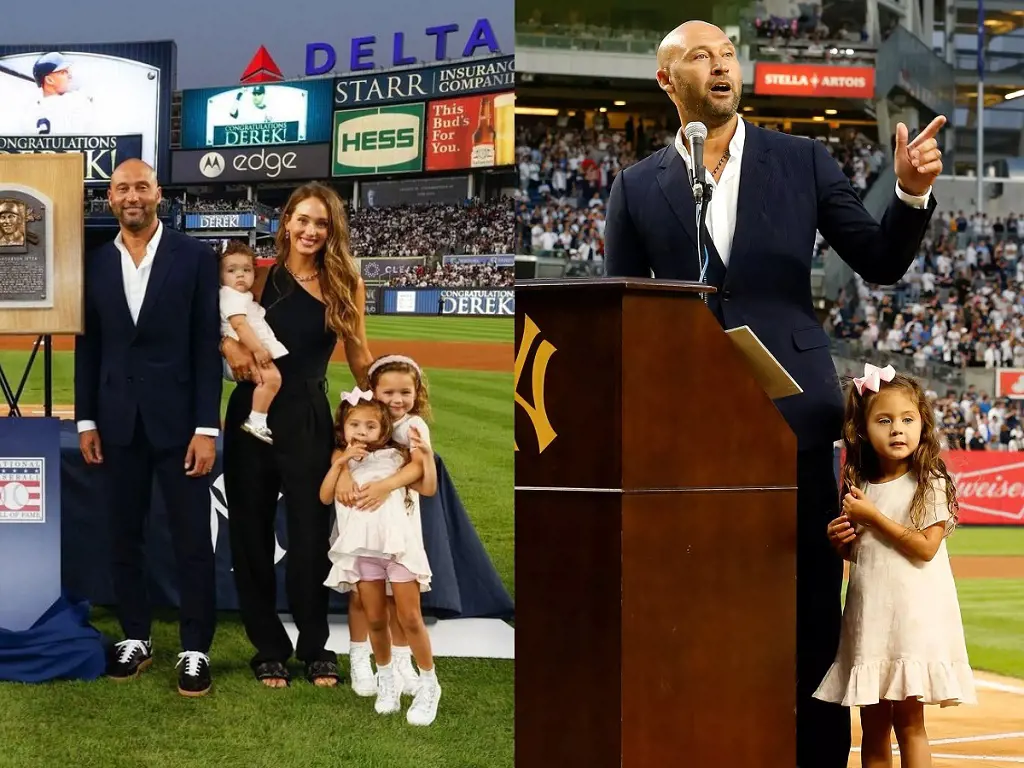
x=719 y=166
x=305 y=279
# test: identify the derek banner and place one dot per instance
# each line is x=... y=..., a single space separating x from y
x=251 y=164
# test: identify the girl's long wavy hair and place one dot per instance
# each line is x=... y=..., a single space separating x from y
x=862 y=465
x=421 y=405
x=339 y=273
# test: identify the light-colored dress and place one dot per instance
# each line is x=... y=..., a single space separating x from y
x=392 y=531
x=902 y=632
x=233 y=303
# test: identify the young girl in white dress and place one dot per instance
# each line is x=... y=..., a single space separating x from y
x=902 y=644
x=398 y=382
x=377 y=543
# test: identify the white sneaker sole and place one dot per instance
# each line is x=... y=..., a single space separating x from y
x=364 y=689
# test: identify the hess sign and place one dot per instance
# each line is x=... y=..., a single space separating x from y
x=362 y=51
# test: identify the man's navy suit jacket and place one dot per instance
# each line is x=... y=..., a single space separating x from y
x=167 y=369
x=789 y=188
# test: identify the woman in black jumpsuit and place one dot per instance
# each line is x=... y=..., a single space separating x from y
x=312 y=296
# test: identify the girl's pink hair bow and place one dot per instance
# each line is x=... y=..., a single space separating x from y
x=353 y=397
x=873 y=377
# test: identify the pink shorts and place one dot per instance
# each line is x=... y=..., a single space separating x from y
x=382 y=568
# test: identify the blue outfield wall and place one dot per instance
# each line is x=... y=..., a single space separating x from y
x=461 y=302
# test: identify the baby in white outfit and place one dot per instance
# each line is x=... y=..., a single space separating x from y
x=244 y=320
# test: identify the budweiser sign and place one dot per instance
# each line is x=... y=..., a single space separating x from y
x=813 y=80
x=989 y=485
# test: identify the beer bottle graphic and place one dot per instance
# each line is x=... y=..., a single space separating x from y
x=484 y=137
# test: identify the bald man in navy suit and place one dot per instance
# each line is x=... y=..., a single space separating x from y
x=770 y=193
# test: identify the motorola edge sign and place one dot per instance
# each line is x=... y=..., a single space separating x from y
x=251 y=164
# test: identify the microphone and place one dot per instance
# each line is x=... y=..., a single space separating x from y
x=696 y=133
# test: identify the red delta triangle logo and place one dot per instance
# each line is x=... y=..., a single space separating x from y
x=262 y=69
x=995 y=492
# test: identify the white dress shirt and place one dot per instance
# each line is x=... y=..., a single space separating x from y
x=135 y=281
x=721 y=215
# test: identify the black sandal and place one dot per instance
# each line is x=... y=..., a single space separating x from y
x=272 y=670
x=318 y=670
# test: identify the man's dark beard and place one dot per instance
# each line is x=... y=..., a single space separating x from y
x=141 y=224
x=708 y=110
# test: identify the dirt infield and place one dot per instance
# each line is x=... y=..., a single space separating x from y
x=982 y=567
x=987 y=567
x=460 y=355
x=989 y=735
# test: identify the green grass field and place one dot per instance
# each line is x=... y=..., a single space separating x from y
x=146 y=724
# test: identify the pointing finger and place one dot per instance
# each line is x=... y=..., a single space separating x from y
x=933 y=128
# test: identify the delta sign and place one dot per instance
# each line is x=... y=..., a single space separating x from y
x=362 y=53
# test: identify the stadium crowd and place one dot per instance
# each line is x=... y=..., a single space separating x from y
x=455 y=276
x=434 y=229
x=195 y=205
x=959 y=304
x=973 y=420
x=566 y=172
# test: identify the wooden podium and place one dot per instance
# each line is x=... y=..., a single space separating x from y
x=655 y=541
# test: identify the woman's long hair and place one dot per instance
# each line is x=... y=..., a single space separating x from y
x=861 y=464
x=339 y=273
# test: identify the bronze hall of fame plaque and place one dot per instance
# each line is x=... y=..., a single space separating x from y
x=26 y=248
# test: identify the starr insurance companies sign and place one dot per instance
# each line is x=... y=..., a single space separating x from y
x=814 y=80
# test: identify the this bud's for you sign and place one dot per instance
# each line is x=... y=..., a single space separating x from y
x=471 y=132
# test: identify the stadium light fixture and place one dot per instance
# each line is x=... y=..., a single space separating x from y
x=1014 y=94
x=603 y=109
x=620 y=103
x=831 y=111
x=819 y=118
x=538 y=111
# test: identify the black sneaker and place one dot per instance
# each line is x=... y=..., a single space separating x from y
x=129 y=659
x=194 y=677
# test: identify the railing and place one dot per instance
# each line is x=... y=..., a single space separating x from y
x=585 y=42
x=948 y=375
x=906 y=62
x=98 y=206
x=835 y=53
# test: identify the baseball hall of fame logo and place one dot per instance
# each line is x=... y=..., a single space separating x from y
x=26 y=248
x=542 y=426
x=22 y=491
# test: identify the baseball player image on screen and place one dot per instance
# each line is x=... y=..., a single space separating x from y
x=251 y=106
x=60 y=110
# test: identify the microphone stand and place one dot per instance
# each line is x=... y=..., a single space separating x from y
x=701 y=199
